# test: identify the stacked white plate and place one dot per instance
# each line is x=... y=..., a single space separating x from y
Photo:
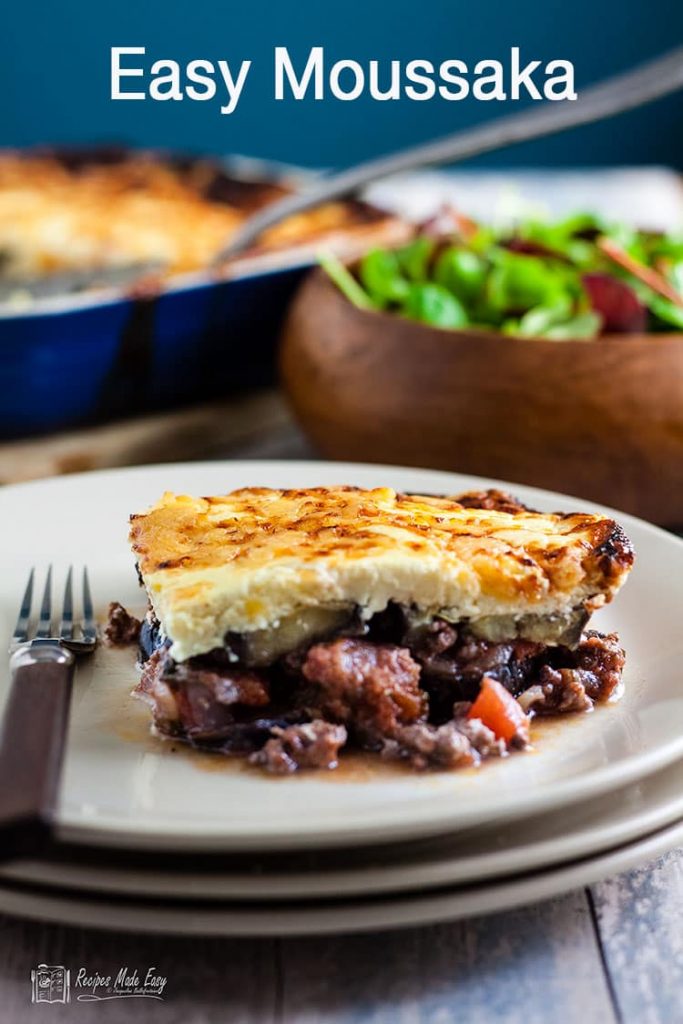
x=162 y=839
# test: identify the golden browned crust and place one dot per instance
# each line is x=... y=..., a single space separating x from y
x=185 y=532
x=248 y=558
x=58 y=213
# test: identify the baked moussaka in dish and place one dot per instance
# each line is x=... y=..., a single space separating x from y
x=286 y=625
x=95 y=209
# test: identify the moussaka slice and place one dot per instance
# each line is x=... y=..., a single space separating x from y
x=287 y=624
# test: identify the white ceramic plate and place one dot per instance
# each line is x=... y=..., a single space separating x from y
x=496 y=851
x=411 y=909
x=123 y=788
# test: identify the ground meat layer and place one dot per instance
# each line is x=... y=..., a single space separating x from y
x=122 y=628
x=372 y=688
x=311 y=745
x=414 y=704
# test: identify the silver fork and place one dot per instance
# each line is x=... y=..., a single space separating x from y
x=36 y=715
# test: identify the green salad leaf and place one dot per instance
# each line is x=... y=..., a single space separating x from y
x=666 y=311
x=381 y=274
x=519 y=282
x=557 y=280
x=462 y=272
x=414 y=258
x=344 y=280
x=433 y=304
x=582 y=327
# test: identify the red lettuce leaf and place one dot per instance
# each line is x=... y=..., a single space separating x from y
x=618 y=305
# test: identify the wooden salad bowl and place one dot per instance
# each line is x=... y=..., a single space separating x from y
x=600 y=419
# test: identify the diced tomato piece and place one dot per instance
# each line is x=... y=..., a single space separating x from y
x=500 y=712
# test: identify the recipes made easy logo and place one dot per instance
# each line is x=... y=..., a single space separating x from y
x=52 y=984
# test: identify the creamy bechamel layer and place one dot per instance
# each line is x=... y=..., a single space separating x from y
x=253 y=559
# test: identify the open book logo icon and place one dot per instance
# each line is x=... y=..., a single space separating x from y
x=50 y=984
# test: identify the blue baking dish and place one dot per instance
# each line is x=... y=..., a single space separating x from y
x=89 y=357
x=78 y=360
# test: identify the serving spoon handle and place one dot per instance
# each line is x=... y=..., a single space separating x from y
x=617 y=94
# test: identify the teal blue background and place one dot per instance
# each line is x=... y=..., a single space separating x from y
x=54 y=73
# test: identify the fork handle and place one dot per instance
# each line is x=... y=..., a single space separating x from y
x=32 y=746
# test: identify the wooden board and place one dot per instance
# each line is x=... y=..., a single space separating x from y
x=256 y=426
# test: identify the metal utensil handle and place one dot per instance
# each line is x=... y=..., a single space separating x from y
x=614 y=96
x=32 y=746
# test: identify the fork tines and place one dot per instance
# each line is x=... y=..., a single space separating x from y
x=88 y=624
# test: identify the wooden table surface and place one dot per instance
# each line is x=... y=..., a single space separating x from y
x=611 y=954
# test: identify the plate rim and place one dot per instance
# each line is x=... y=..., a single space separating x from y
x=444 y=868
x=413 y=909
